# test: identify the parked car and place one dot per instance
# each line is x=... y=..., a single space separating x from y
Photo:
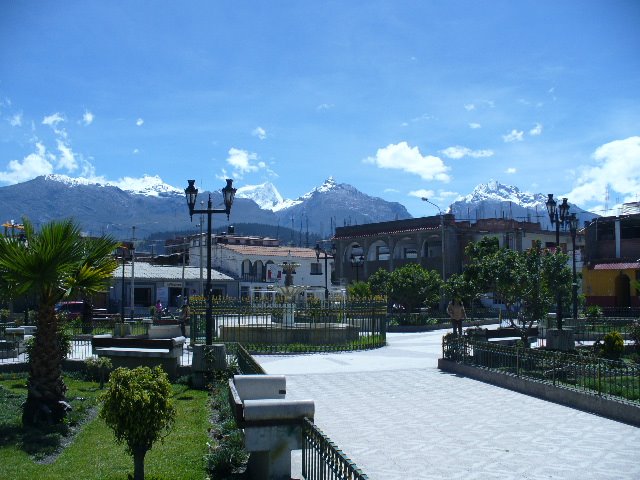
x=72 y=310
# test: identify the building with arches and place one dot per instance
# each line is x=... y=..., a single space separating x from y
x=436 y=243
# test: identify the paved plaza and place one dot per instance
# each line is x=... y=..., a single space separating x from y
x=399 y=417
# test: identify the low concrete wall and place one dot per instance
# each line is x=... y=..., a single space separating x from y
x=613 y=409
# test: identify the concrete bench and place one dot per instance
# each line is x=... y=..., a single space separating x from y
x=131 y=352
x=272 y=424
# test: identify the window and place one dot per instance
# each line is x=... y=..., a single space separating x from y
x=382 y=252
x=410 y=253
x=316 y=269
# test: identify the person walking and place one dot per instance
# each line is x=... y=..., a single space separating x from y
x=185 y=317
x=456 y=312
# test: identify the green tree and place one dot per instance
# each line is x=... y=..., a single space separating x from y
x=137 y=406
x=359 y=290
x=52 y=264
x=379 y=282
x=413 y=286
x=458 y=286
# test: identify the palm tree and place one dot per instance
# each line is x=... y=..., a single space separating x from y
x=53 y=264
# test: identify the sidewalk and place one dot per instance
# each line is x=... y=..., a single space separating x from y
x=398 y=417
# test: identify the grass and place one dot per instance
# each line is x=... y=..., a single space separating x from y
x=93 y=453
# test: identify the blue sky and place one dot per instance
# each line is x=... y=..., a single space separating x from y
x=400 y=99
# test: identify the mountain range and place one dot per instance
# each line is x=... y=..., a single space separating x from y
x=153 y=206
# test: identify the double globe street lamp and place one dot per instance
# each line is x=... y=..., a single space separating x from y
x=228 y=194
x=320 y=250
x=559 y=216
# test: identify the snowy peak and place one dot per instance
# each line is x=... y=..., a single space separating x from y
x=498 y=192
x=151 y=186
x=266 y=195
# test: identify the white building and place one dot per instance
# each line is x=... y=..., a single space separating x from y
x=259 y=264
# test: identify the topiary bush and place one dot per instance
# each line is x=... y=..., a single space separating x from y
x=612 y=346
x=137 y=406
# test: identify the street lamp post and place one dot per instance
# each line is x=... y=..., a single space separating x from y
x=228 y=193
x=559 y=216
x=573 y=228
x=441 y=234
x=326 y=272
x=357 y=261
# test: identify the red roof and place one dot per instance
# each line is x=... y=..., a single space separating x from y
x=617 y=266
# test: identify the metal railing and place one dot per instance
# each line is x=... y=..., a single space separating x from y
x=281 y=328
x=614 y=379
x=322 y=459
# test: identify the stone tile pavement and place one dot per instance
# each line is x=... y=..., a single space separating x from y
x=398 y=417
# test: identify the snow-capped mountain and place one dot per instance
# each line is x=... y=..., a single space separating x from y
x=149 y=185
x=496 y=200
x=101 y=206
x=266 y=195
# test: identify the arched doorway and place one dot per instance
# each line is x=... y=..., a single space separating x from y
x=623 y=291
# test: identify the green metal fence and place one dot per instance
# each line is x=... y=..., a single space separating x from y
x=614 y=379
x=285 y=328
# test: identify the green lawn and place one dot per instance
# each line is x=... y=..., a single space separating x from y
x=93 y=454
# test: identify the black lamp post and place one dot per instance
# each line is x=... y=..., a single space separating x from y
x=326 y=271
x=357 y=261
x=122 y=250
x=573 y=228
x=228 y=194
x=559 y=216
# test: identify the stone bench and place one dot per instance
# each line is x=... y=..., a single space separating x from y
x=272 y=424
x=131 y=352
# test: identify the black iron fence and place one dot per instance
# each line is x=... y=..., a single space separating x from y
x=322 y=459
x=316 y=326
x=614 y=379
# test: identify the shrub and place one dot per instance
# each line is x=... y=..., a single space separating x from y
x=137 y=406
x=634 y=333
x=612 y=346
x=98 y=369
x=593 y=311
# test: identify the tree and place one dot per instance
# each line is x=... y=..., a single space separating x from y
x=137 y=406
x=413 y=286
x=379 y=282
x=458 y=286
x=359 y=290
x=52 y=264
x=526 y=282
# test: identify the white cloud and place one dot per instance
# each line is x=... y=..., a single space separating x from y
x=536 y=130
x=259 y=132
x=325 y=106
x=514 y=136
x=139 y=122
x=34 y=164
x=469 y=107
x=67 y=158
x=87 y=118
x=16 y=120
x=474 y=125
x=616 y=165
x=404 y=124
x=511 y=170
x=391 y=190
x=460 y=151
x=53 y=120
x=243 y=162
x=422 y=193
x=135 y=151
x=401 y=156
